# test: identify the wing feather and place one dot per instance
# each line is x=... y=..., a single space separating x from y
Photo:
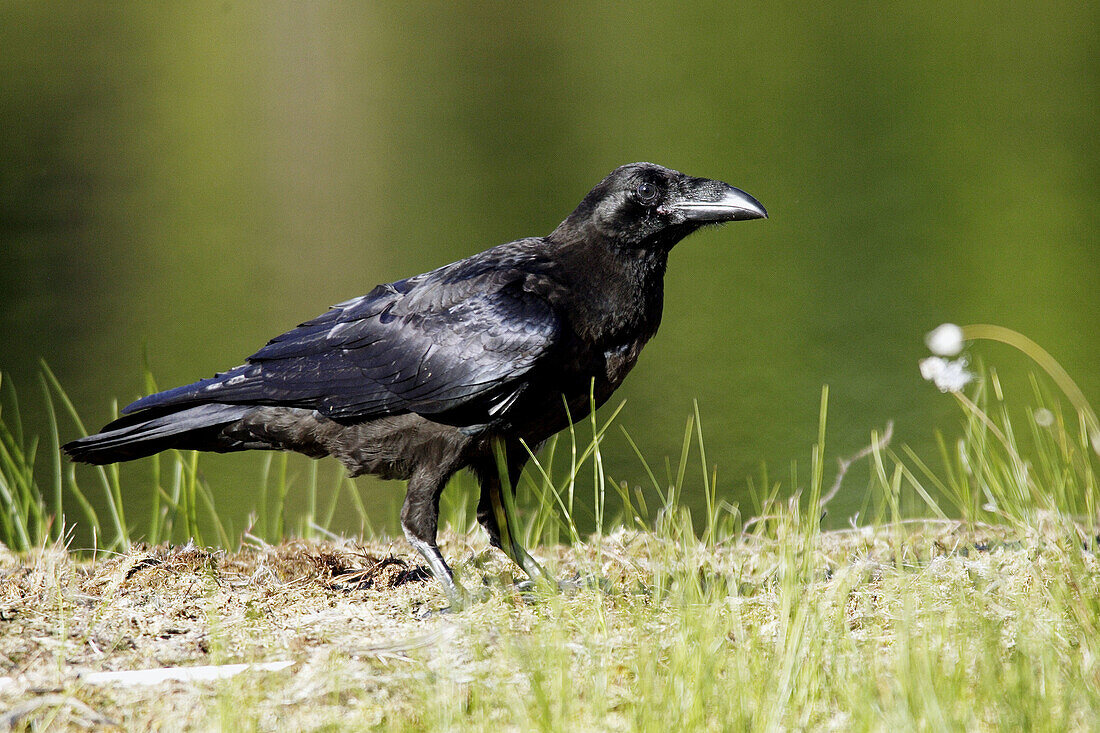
x=446 y=343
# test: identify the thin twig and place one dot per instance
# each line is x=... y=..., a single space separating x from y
x=845 y=463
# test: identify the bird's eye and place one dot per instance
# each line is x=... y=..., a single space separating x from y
x=647 y=192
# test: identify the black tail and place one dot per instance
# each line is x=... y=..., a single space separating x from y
x=151 y=431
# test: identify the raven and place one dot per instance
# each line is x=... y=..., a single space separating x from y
x=461 y=367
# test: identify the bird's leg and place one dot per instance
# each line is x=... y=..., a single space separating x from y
x=493 y=516
x=419 y=522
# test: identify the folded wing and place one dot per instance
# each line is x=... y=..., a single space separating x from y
x=454 y=344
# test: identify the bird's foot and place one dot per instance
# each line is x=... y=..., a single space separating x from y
x=459 y=599
x=531 y=588
x=534 y=591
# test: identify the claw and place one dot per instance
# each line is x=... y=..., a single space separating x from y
x=529 y=588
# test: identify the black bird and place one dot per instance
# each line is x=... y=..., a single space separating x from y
x=442 y=371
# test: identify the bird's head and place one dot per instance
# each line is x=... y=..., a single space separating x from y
x=642 y=205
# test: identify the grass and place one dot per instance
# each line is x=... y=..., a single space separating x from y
x=980 y=611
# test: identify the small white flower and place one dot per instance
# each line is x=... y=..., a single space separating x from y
x=932 y=367
x=945 y=340
x=948 y=376
x=1044 y=418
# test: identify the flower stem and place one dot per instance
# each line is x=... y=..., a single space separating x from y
x=1043 y=358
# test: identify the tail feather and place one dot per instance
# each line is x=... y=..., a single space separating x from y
x=151 y=431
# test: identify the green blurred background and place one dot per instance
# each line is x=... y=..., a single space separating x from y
x=194 y=178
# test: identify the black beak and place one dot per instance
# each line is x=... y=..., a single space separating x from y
x=714 y=201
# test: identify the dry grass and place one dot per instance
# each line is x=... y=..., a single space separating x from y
x=356 y=620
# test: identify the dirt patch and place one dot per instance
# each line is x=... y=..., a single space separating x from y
x=166 y=605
